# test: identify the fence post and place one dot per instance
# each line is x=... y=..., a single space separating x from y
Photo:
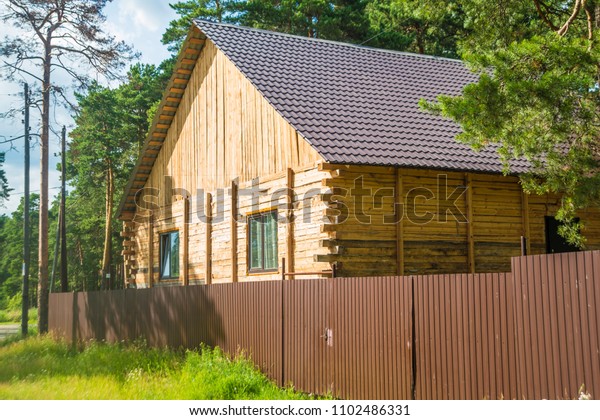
x=282 y=322
x=523 y=246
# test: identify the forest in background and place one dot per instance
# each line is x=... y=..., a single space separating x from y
x=544 y=93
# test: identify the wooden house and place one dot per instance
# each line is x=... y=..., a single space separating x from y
x=267 y=147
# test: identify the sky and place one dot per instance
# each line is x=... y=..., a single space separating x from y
x=139 y=23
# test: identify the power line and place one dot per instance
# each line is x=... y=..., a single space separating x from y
x=34 y=191
x=15 y=138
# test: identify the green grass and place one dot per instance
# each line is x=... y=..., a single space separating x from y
x=41 y=368
x=13 y=316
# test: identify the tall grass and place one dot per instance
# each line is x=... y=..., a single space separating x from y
x=41 y=368
x=13 y=316
x=10 y=310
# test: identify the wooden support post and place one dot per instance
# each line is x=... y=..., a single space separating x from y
x=525 y=220
x=150 y=250
x=233 y=228
x=208 y=239
x=186 y=241
x=470 y=235
x=126 y=274
x=283 y=269
x=399 y=204
x=290 y=221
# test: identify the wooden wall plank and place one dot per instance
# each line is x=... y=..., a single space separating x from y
x=208 y=240
x=186 y=242
x=470 y=223
x=290 y=252
x=233 y=229
x=150 y=250
x=525 y=217
x=399 y=194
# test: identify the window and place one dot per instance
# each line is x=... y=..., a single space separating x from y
x=169 y=255
x=555 y=242
x=262 y=242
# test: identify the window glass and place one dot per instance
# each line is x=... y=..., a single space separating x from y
x=255 y=243
x=262 y=241
x=174 y=254
x=169 y=255
x=270 y=233
x=164 y=256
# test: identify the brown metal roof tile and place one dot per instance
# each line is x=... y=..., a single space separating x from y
x=356 y=104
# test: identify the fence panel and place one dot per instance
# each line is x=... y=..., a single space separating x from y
x=245 y=317
x=533 y=333
x=371 y=343
x=464 y=336
x=557 y=317
x=306 y=318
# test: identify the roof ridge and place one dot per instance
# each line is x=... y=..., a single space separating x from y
x=199 y=22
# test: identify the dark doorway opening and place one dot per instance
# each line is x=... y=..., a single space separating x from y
x=554 y=242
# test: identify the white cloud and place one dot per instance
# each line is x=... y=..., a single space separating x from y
x=141 y=23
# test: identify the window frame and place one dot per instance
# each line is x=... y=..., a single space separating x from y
x=261 y=216
x=161 y=235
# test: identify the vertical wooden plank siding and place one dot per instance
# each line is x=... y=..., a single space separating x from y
x=290 y=221
x=525 y=219
x=208 y=240
x=150 y=250
x=186 y=241
x=233 y=228
x=470 y=221
x=400 y=212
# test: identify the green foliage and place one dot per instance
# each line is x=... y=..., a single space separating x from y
x=215 y=10
x=342 y=20
x=11 y=257
x=335 y=20
x=14 y=316
x=422 y=26
x=494 y=26
x=41 y=368
x=4 y=190
x=10 y=309
x=537 y=98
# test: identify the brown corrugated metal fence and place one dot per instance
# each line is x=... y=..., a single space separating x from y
x=557 y=314
x=529 y=334
x=465 y=337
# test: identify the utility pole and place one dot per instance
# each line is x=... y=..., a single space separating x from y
x=64 y=283
x=26 y=227
x=56 y=250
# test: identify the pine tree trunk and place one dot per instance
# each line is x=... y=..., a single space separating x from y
x=106 y=256
x=43 y=222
